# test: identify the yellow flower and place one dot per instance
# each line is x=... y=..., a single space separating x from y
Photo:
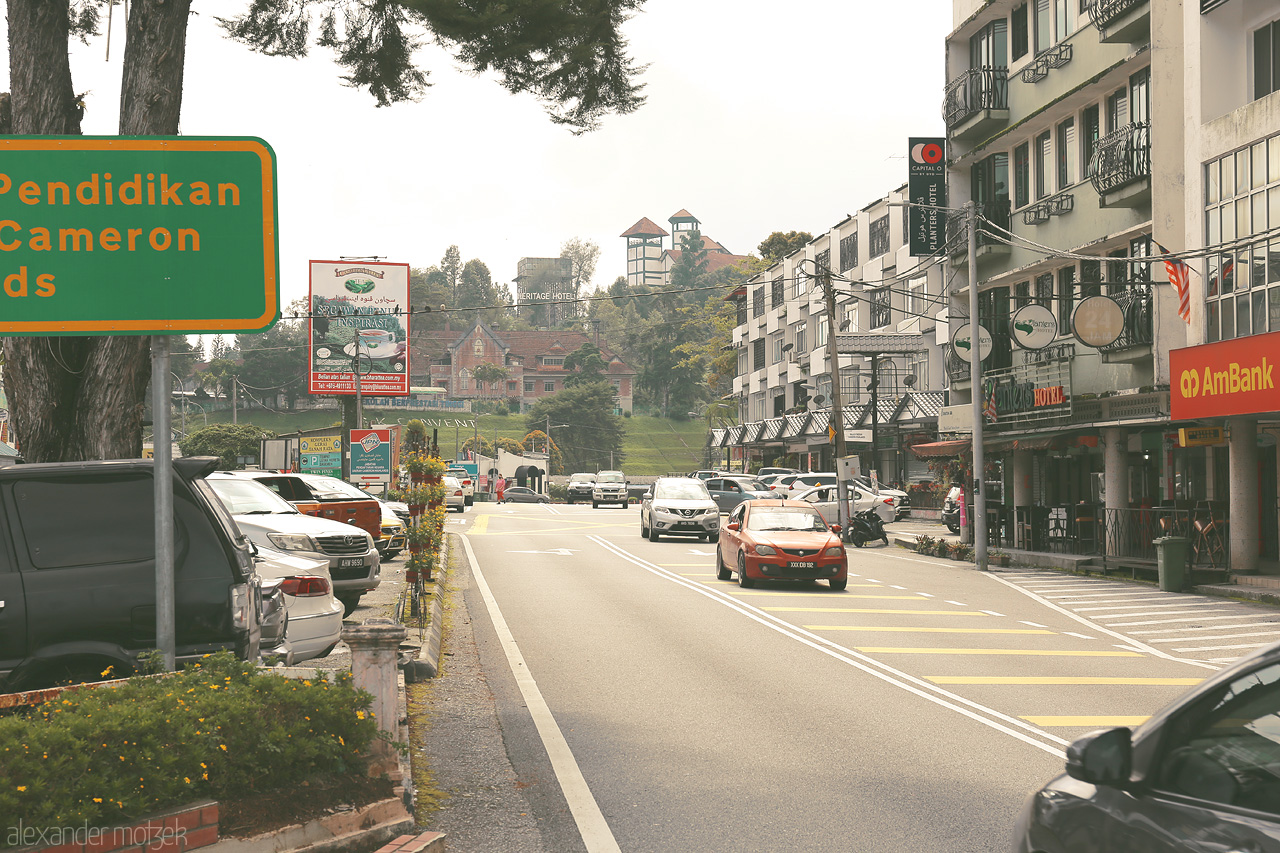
x=359 y=715
x=97 y=799
x=22 y=787
x=223 y=747
x=186 y=779
x=106 y=671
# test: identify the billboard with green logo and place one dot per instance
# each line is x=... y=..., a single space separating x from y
x=359 y=326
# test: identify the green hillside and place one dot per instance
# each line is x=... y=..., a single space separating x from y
x=651 y=445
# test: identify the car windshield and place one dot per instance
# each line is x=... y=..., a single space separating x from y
x=786 y=518
x=246 y=497
x=682 y=490
x=582 y=478
x=610 y=477
x=752 y=485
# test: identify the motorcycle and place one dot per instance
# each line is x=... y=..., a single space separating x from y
x=866 y=526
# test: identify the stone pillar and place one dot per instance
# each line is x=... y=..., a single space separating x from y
x=1115 y=474
x=374 y=646
x=1242 y=529
x=1022 y=497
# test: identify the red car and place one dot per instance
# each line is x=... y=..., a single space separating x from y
x=780 y=540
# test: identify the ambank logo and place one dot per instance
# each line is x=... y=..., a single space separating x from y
x=1234 y=380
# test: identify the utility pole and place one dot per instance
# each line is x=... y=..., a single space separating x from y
x=837 y=402
x=975 y=381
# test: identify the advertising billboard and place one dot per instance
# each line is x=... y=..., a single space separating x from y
x=1218 y=380
x=926 y=185
x=359 y=321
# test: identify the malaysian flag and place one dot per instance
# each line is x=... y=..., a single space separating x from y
x=1178 y=273
x=989 y=408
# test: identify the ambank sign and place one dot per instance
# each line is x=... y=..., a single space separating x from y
x=1227 y=378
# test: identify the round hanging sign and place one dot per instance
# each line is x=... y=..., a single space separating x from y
x=1098 y=321
x=1033 y=326
x=962 y=342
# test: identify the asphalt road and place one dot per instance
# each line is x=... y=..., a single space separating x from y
x=647 y=706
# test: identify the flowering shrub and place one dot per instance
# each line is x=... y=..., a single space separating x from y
x=219 y=728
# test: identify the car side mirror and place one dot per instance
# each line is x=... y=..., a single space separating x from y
x=835 y=528
x=1102 y=758
x=648 y=495
x=733 y=525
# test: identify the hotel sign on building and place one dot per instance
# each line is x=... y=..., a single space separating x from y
x=1236 y=377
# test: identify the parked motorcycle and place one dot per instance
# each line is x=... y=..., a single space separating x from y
x=951 y=510
x=866 y=526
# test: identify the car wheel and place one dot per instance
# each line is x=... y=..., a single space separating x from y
x=885 y=538
x=568 y=500
x=954 y=528
x=838 y=585
x=644 y=531
x=391 y=555
x=350 y=601
x=654 y=535
x=744 y=581
x=722 y=571
x=468 y=501
x=595 y=505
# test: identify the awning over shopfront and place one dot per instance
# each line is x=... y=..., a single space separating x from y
x=772 y=429
x=752 y=432
x=718 y=436
x=853 y=414
x=961 y=447
x=796 y=424
x=818 y=423
x=735 y=434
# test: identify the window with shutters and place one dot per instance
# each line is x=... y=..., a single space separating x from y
x=1090 y=278
x=802 y=330
x=1021 y=294
x=1044 y=164
x=879 y=240
x=1044 y=289
x=777 y=293
x=823 y=260
x=1117 y=110
x=1066 y=298
x=1066 y=153
x=801 y=282
x=1266 y=60
x=757 y=354
x=849 y=251
x=1090 y=132
x=757 y=301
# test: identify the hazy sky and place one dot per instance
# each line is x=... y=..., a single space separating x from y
x=761 y=116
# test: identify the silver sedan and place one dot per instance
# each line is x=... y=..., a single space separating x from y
x=824 y=500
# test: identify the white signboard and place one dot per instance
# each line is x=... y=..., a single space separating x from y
x=962 y=342
x=359 y=321
x=1098 y=321
x=1034 y=326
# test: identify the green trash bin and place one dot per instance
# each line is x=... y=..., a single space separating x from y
x=1171 y=562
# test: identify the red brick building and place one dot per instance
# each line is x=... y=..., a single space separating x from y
x=534 y=362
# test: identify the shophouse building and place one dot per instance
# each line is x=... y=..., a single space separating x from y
x=1216 y=162
x=784 y=379
x=1049 y=115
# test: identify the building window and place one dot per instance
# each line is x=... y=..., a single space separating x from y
x=820 y=332
x=987 y=48
x=1117 y=273
x=1043 y=21
x=742 y=362
x=1140 y=96
x=801 y=333
x=1066 y=153
x=549 y=386
x=1266 y=60
x=511 y=387
x=879 y=239
x=1117 y=110
x=528 y=386
x=1044 y=163
x=849 y=251
x=880 y=307
x=1022 y=175
x=1140 y=247
x=552 y=361
x=1018 y=36
x=823 y=260
x=990 y=187
x=777 y=348
x=757 y=354
x=918 y=302
x=1089 y=138
x=740 y=310
x=918 y=366
x=801 y=281
x=1021 y=294
x=757 y=301
x=1066 y=298
x=777 y=294
x=1044 y=289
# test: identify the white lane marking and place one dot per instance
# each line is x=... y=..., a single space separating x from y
x=957 y=603
x=992 y=613
x=1152 y=650
x=1032 y=624
x=1152 y=613
x=1081 y=636
x=898 y=678
x=1153 y=609
x=925 y=594
x=596 y=835
x=1213 y=637
x=895 y=586
x=562 y=552
x=1131 y=596
x=1275 y=625
x=1221 y=648
x=1183 y=619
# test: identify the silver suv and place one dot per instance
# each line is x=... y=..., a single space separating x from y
x=610 y=488
x=679 y=506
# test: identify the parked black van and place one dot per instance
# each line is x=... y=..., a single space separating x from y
x=77 y=570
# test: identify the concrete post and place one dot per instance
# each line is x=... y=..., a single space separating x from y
x=1022 y=497
x=374 y=646
x=1242 y=529
x=1116 y=477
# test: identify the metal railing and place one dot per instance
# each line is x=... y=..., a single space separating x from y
x=1103 y=12
x=1122 y=157
x=985 y=88
x=1136 y=303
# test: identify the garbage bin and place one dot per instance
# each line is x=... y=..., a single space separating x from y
x=1171 y=562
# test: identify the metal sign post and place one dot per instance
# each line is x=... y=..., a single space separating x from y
x=162 y=471
x=975 y=381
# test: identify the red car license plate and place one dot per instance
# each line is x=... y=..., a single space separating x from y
x=350 y=562
x=802 y=565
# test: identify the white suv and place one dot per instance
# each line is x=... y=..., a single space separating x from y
x=468 y=484
x=610 y=488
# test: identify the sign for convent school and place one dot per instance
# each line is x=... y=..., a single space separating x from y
x=1227 y=378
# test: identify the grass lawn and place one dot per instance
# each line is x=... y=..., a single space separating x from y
x=650 y=446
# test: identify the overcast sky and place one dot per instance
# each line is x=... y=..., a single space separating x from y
x=761 y=116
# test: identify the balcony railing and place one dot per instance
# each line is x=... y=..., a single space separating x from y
x=978 y=89
x=1122 y=157
x=1136 y=305
x=997 y=213
x=1104 y=12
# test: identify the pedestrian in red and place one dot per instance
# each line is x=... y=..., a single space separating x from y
x=502 y=484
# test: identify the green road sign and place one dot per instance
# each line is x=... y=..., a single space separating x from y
x=137 y=235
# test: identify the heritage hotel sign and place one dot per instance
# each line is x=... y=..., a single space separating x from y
x=1227 y=378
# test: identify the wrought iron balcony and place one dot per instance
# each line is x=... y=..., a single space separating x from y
x=1104 y=12
x=1122 y=157
x=978 y=89
x=1136 y=305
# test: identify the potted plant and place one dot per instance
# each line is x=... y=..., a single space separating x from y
x=942 y=548
x=999 y=558
x=961 y=552
x=925 y=544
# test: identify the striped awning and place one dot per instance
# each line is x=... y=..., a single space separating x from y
x=735 y=435
x=718 y=436
x=752 y=432
x=818 y=423
x=796 y=424
x=772 y=429
x=853 y=415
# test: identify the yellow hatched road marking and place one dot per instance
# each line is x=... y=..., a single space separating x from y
x=927 y=630
x=480 y=525
x=1052 y=679
x=1042 y=652
x=1086 y=722
x=863 y=610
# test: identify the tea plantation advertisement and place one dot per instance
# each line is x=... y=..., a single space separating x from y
x=359 y=324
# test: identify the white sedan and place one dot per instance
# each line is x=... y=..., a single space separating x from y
x=824 y=500
x=315 y=616
x=455 y=496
